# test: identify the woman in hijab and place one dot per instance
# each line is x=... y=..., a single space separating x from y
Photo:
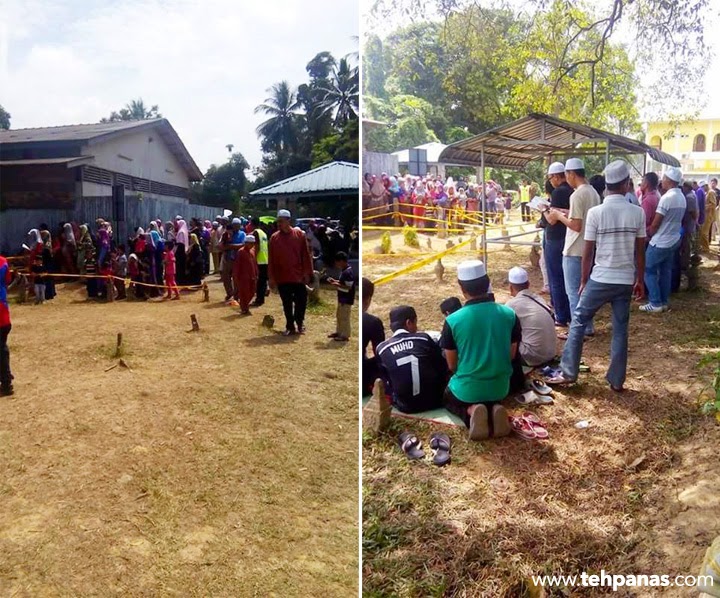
x=84 y=244
x=48 y=265
x=182 y=243
x=215 y=236
x=196 y=263
x=68 y=250
x=158 y=244
x=103 y=242
x=169 y=231
x=205 y=244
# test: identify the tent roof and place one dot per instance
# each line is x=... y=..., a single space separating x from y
x=434 y=150
x=334 y=178
x=536 y=136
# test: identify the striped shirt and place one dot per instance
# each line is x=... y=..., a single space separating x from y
x=613 y=226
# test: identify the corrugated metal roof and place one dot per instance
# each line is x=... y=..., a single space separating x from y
x=76 y=161
x=538 y=135
x=98 y=132
x=333 y=178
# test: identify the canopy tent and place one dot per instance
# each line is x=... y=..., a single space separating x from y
x=538 y=137
x=335 y=179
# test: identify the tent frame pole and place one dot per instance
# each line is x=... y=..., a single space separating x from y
x=484 y=202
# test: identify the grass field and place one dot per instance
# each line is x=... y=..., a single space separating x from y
x=636 y=492
x=222 y=463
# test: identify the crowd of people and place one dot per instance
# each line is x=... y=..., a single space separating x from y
x=604 y=243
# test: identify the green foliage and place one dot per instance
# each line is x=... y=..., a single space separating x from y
x=411 y=237
x=338 y=146
x=712 y=405
x=135 y=110
x=409 y=117
x=385 y=242
x=4 y=118
x=223 y=185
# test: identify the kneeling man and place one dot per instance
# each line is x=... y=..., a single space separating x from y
x=480 y=342
x=412 y=364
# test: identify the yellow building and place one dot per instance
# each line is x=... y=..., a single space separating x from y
x=695 y=144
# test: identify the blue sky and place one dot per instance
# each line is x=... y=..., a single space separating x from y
x=206 y=64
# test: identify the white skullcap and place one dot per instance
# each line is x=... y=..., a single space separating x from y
x=702 y=183
x=471 y=270
x=574 y=164
x=616 y=172
x=250 y=239
x=237 y=221
x=518 y=275
x=673 y=173
x=178 y=217
x=283 y=214
x=556 y=168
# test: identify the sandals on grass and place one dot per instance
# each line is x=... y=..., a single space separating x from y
x=411 y=446
x=440 y=444
x=529 y=427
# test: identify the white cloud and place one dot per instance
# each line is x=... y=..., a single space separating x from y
x=206 y=64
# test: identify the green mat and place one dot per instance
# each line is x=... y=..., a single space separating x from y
x=440 y=416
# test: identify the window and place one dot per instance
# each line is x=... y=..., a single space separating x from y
x=699 y=143
x=656 y=142
x=716 y=143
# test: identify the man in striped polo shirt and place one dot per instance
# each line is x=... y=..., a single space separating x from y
x=615 y=234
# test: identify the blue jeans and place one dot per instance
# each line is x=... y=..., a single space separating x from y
x=594 y=296
x=658 y=273
x=572 y=270
x=553 y=262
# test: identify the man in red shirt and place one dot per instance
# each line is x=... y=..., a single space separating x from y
x=6 y=377
x=290 y=270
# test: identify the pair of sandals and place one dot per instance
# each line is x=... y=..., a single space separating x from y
x=529 y=427
x=536 y=393
x=439 y=443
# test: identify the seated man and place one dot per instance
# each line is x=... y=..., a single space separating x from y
x=480 y=342
x=373 y=334
x=413 y=366
x=537 y=321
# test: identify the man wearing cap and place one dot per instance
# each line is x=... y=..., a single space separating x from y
x=554 y=242
x=480 y=341
x=231 y=241
x=615 y=235
x=582 y=199
x=261 y=251
x=664 y=242
x=412 y=364
x=538 y=342
x=290 y=270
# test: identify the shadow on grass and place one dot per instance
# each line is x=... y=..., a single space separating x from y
x=276 y=339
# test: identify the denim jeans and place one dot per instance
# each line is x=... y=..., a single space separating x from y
x=594 y=296
x=572 y=271
x=658 y=273
x=553 y=262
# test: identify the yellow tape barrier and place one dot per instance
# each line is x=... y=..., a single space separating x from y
x=127 y=281
x=416 y=265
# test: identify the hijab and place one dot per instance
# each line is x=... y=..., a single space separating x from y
x=182 y=233
x=69 y=234
x=46 y=239
x=194 y=240
x=33 y=239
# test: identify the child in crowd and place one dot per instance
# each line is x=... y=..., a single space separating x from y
x=346 y=297
x=169 y=261
x=450 y=306
x=38 y=279
x=120 y=270
x=136 y=276
x=105 y=271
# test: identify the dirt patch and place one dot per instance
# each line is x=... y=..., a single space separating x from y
x=204 y=469
x=633 y=493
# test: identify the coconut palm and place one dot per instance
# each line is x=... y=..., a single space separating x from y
x=135 y=110
x=341 y=96
x=280 y=131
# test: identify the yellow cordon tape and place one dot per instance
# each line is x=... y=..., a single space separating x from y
x=127 y=281
x=419 y=264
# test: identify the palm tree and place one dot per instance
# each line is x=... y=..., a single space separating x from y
x=135 y=110
x=280 y=131
x=341 y=96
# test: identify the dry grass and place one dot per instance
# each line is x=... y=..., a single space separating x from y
x=224 y=463
x=508 y=509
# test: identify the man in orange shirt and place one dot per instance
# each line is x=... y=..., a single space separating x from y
x=290 y=270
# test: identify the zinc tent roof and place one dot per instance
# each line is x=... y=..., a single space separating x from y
x=334 y=178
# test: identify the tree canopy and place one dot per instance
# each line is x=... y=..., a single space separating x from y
x=135 y=110
x=4 y=118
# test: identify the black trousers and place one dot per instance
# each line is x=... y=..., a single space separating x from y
x=525 y=211
x=459 y=408
x=294 y=300
x=5 y=375
x=262 y=283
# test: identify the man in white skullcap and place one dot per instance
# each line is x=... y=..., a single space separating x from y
x=290 y=270
x=665 y=236
x=480 y=341
x=615 y=236
x=582 y=199
x=538 y=343
x=554 y=242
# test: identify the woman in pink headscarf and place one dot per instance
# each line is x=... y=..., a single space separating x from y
x=182 y=244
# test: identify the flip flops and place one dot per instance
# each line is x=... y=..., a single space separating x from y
x=440 y=444
x=540 y=387
x=559 y=379
x=530 y=397
x=529 y=427
x=411 y=446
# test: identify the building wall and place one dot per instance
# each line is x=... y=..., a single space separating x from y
x=680 y=142
x=140 y=158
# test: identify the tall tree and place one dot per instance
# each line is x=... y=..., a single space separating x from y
x=341 y=96
x=223 y=185
x=4 y=118
x=135 y=110
x=279 y=133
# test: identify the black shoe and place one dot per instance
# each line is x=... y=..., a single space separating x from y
x=6 y=391
x=256 y=304
x=301 y=329
x=288 y=333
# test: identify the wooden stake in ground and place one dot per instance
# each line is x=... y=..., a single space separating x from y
x=118 y=347
x=110 y=287
x=376 y=414
x=439 y=271
x=206 y=293
x=195 y=325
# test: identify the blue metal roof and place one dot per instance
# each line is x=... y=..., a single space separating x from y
x=335 y=178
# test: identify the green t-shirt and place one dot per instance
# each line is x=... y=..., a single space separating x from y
x=481 y=333
x=261 y=244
